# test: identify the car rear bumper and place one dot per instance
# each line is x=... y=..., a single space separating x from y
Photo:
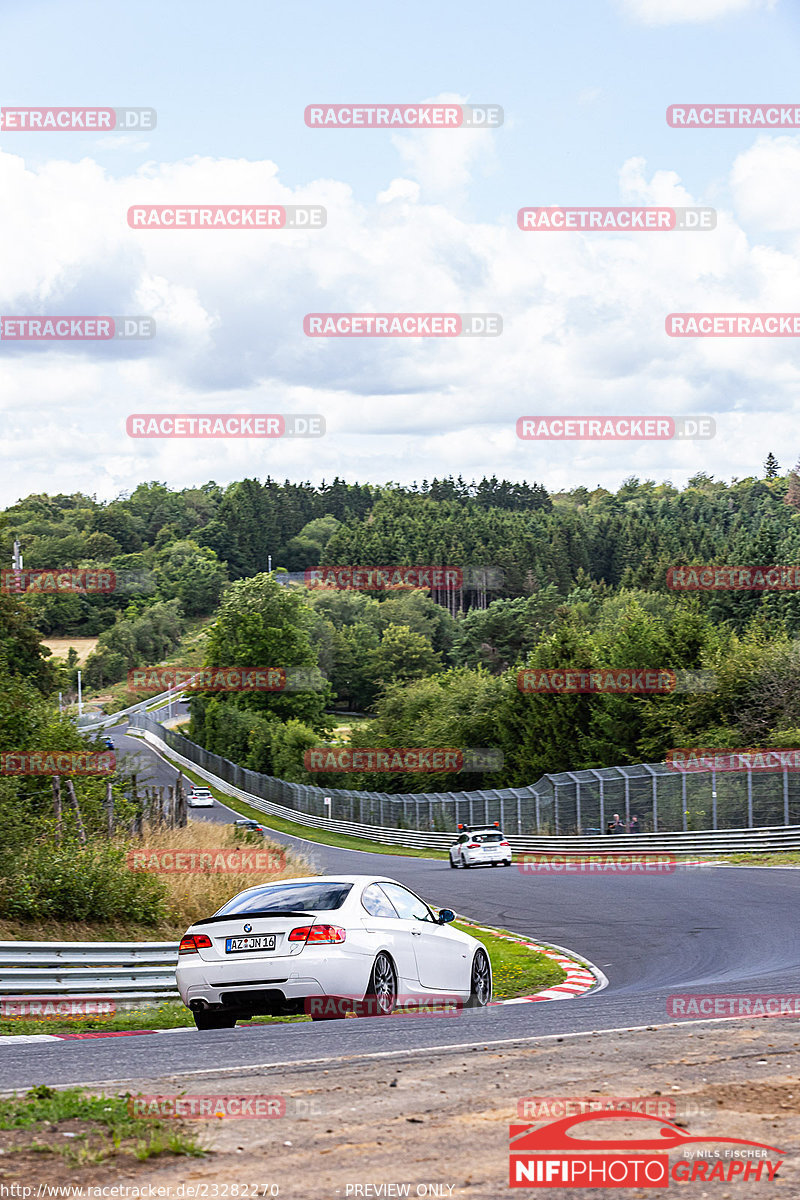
x=477 y=860
x=327 y=975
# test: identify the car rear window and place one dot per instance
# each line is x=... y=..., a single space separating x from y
x=297 y=897
x=488 y=837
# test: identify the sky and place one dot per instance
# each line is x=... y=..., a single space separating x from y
x=418 y=221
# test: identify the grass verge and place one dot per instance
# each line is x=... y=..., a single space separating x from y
x=777 y=858
x=78 y=1129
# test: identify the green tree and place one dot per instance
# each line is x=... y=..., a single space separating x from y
x=262 y=624
x=402 y=655
x=192 y=574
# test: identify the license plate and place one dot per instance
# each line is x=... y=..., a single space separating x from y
x=234 y=945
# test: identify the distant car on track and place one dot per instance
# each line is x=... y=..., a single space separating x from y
x=200 y=797
x=480 y=846
x=250 y=825
x=362 y=941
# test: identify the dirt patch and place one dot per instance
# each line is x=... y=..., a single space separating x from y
x=442 y=1118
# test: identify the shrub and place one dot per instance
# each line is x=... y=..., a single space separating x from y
x=67 y=883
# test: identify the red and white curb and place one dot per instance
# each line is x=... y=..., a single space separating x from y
x=582 y=976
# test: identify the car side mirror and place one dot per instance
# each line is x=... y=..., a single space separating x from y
x=446 y=915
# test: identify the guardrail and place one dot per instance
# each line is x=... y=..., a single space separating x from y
x=113 y=970
x=707 y=842
x=152 y=702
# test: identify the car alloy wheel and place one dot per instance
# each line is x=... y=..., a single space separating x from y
x=382 y=990
x=452 y=863
x=480 y=992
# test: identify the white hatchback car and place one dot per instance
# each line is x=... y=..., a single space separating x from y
x=480 y=846
x=200 y=797
x=365 y=943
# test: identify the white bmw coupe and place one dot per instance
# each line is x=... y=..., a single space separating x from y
x=324 y=946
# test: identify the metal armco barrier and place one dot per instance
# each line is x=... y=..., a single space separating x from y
x=113 y=970
x=729 y=841
x=87 y=725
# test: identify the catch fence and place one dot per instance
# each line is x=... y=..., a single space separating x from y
x=569 y=803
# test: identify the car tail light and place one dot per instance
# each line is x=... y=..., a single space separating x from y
x=318 y=933
x=192 y=942
x=504 y=843
x=473 y=845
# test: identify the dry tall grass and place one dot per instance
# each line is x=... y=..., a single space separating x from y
x=199 y=893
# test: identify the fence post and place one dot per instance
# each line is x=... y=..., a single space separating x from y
x=786 y=795
x=655 y=803
x=57 y=805
x=555 y=808
x=683 y=801
x=714 y=799
x=78 y=819
x=109 y=809
x=749 y=798
x=627 y=803
x=603 y=804
x=578 y=806
x=538 y=813
x=519 y=813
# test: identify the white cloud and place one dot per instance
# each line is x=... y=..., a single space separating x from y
x=669 y=12
x=584 y=330
x=765 y=182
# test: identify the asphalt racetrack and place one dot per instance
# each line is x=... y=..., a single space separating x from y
x=705 y=929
